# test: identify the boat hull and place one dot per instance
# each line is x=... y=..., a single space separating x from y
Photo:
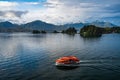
x=67 y=65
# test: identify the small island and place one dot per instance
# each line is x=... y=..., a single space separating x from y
x=55 y=31
x=91 y=31
x=35 y=31
x=94 y=31
x=38 y=32
x=70 y=30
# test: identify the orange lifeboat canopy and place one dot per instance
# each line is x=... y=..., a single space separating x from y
x=67 y=60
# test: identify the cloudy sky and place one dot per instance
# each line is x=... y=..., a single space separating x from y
x=60 y=11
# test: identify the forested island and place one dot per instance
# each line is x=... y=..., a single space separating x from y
x=93 y=31
x=70 y=30
x=37 y=31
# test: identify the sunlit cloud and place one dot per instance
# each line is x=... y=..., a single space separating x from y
x=62 y=11
x=31 y=3
x=12 y=13
x=7 y=4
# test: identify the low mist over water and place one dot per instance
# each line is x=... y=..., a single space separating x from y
x=26 y=56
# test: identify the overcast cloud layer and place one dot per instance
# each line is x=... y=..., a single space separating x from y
x=60 y=11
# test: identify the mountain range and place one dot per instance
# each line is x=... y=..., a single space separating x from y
x=102 y=24
x=40 y=25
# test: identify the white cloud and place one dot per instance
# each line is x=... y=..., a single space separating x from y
x=61 y=11
x=7 y=4
x=57 y=11
x=13 y=16
x=31 y=3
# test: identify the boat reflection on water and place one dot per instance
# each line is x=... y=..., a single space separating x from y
x=67 y=63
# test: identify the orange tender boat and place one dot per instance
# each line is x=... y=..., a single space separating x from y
x=67 y=61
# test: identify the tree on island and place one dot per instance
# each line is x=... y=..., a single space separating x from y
x=35 y=31
x=108 y=30
x=43 y=31
x=63 y=31
x=38 y=32
x=70 y=30
x=91 y=31
x=116 y=29
x=55 y=31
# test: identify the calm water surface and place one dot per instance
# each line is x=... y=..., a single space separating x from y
x=26 y=56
